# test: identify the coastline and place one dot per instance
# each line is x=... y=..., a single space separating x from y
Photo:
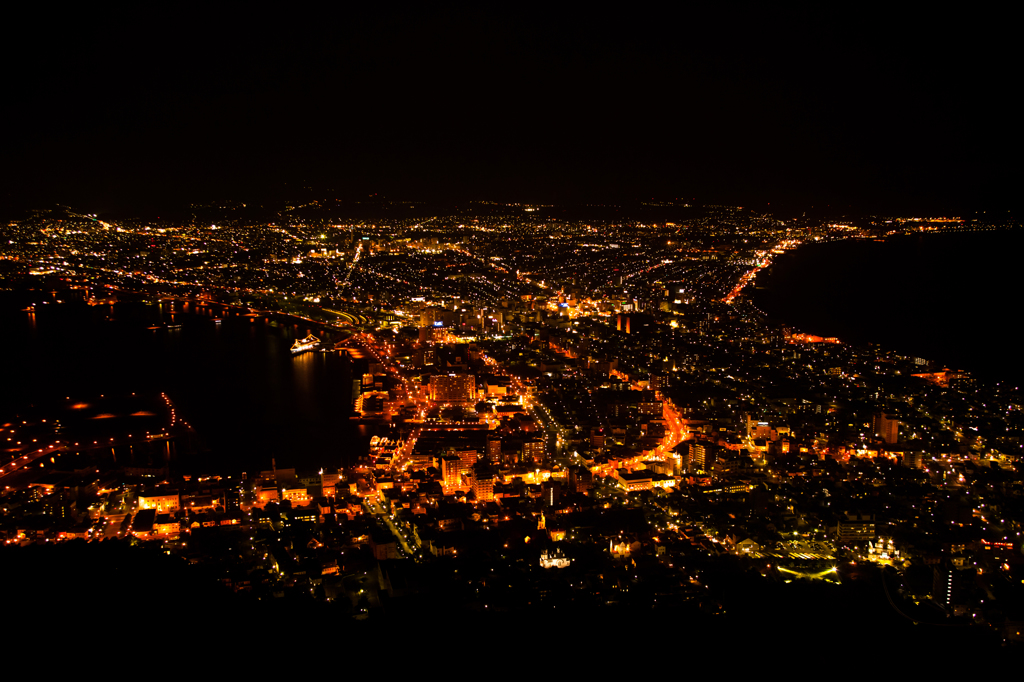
x=236 y=381
x=914 y=294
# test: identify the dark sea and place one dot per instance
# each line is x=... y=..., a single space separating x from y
x=235 y=381
x=951 y=298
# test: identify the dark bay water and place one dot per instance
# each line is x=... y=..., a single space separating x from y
x=248 y=399
x=950 y=298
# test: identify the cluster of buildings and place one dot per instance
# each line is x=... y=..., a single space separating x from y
x=576 y=413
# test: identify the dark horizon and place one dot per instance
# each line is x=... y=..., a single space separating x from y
x=750 y=106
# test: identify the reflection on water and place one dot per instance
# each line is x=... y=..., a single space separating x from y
x=236 y=381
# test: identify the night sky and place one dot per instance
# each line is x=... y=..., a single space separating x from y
x=854 y=106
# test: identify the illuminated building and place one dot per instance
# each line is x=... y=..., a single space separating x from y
x=328 y=483
x=856 y=527
x=467 y=457
x=883 y=551
x=747 y=546
x=622 y=549
x=664 y=481
x=554 y=559
x=451 y=470
x=432 y=316
x=701 y=456
x=493 y=448
x=483 y=487
x=166 y=526
x=497 y=387
x=580 y=479
x=886 y=428
x=949 y=586
x=914 y=459
x=202 y=501
x=533 y=450
x=633 y=481
x=551 y=491
x=266 y=495
x=758 y=429
x=453 y=388
x=648 y=405
x=161 y=503
x=297 y=496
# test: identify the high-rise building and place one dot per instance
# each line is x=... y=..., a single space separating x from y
x=701 y=456
x=886 y=428
x=451 y=470
x=453 y=388
x=580 y=479
x=467 y=456
x=493 y=448
x=533 y=451
x=950 y=584
x=551 y=491
x=483 y=485
x=648 y=404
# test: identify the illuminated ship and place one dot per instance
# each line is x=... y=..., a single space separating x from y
x=308 y=343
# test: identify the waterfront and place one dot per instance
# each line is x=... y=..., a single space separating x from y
x=946 y=298
x=235 y=381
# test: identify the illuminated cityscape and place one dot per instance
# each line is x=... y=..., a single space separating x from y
x=597 y=412
x=688 y=331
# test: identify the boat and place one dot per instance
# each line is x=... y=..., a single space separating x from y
x=303 y=345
